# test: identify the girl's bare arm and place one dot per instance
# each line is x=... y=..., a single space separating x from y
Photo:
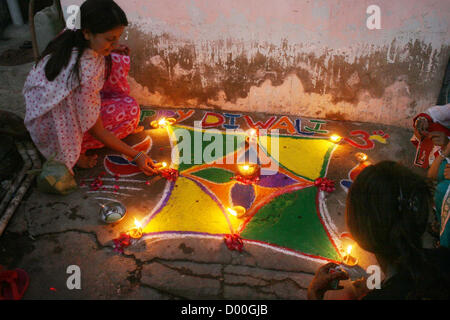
x=434 y=168
x=111 y=141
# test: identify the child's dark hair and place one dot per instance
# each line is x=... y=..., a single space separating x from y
x=388 y=207
x=97 y=16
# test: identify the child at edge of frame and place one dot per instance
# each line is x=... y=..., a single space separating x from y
x=387 y=211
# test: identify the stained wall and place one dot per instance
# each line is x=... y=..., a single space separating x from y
x=302 y=57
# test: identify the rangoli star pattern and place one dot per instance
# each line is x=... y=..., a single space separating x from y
x=283 y=207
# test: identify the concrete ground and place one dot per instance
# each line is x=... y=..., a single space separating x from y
x=13 y=77
x=49 y=233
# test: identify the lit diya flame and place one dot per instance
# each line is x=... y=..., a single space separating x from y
x=162 y=166
x=163 y=122
x=232 y=212
x=136 y=232
x=247 y=170
x=361 y=156
x=335 y=138
x=237 y=211
x=348 y=258
x=349 y=249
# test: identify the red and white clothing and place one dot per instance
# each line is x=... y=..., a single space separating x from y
x=59 y=115
x=438 y=118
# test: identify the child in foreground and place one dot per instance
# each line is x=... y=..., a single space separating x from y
x=388 y=207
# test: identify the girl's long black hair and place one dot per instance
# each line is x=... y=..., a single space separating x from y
x=97 y=16
x=388 y=207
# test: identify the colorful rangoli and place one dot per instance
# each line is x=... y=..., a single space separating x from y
x=284 y=208
x=281 y=208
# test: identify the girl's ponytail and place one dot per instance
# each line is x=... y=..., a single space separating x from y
x=61 y=49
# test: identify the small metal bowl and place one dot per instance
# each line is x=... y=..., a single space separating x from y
x=112 y=212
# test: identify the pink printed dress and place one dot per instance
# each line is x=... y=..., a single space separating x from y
x=59 y=116
x=120 y=113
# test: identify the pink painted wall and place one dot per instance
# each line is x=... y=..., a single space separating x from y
x=303 y=57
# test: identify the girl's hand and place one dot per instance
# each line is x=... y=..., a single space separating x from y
x=122 y=49
x=321 y=282
x=146 y=164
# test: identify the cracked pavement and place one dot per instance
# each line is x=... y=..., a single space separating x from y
x=45 y=237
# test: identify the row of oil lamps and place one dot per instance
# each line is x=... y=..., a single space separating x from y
x=347 y=258
x=252 y=133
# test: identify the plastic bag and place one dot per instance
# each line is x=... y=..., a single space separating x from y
x=56 y=178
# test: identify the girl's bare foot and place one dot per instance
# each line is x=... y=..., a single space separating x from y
x=138 y=129
x=86 y=161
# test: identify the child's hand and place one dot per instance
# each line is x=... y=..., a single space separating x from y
x=446 y=150
x=360 y=288
x=447 y=171
x=439 y=138
x=146 y=164
x=122 y=49
x=322 y=281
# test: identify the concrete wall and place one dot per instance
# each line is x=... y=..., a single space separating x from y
x=312 y=58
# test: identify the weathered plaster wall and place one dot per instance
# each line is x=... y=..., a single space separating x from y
x=303 y=57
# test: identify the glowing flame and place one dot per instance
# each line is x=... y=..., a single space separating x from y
x=349 y=249
x=348 y=258
x=237 y=211
x=136 y=232
x=247 y=169
x=164 y=164
x=137 y=224
x=252 y=132
x=361 y=156
x=335 y=138
x=232 y=212
x=162 y=122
